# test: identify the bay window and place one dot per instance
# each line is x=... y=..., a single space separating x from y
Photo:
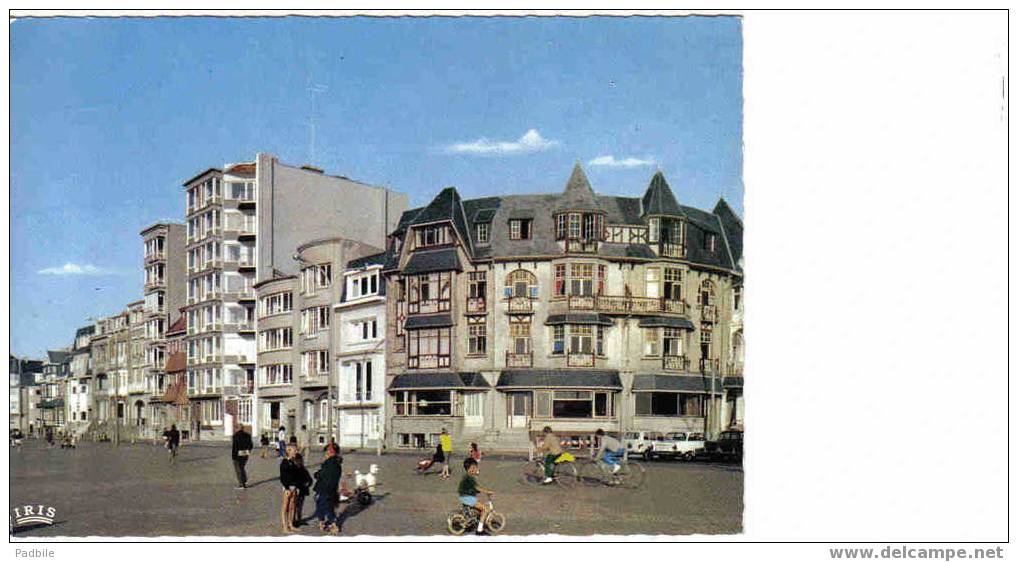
x=428 y=349
x=424 y=403
x=668 y=404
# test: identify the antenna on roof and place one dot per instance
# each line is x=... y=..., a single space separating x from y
x=313 y=89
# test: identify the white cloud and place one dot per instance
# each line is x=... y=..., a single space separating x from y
x=74 y=269
x=610 y=162
x=531 y=141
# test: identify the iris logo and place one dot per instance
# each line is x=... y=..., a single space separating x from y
x=33 y=515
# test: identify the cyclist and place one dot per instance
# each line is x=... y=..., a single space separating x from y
x=551 y=448
x=610 y=450
x=468 y=489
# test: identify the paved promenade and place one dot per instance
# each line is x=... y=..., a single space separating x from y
x=133 y=490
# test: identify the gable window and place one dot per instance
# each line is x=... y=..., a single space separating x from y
x=519 y=229
x=482 y=232
x=436 y=235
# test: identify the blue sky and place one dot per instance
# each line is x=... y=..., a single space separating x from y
x=108 y=116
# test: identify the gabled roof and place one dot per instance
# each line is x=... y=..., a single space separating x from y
x=733 y=227
x=659 y=199
x=179 y=326
x=58 y=356
x=578 y=193
x=447 y=206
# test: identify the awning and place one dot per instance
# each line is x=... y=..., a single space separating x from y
x=733 y=382
x=561 y=378
x=665 y=322
x=445 y=259
x=439 y=380
x=579 y=318
x=429 y=321
x=674 y=383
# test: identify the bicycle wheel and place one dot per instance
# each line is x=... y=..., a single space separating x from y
x=532 y=473
x=566 y=474
x=591 y=474
x=632 y=475
x=457 y=524
x=496 y=522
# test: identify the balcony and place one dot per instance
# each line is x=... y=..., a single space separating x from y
x=581 y=246
x=428 y=361
x=519 y=360
x=314 y=380
x=520 y=305
x=430 y=306
x=710 y=366
x=626 y=305
x=155 y=284
x=708 y=313
x=237 y=359
x=155 y=256
x=476 y=305
x=675 y=363
x=580 y=360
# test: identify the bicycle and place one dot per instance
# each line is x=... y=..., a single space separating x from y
x=598 y=473
x=564 y=473
x=467 y=519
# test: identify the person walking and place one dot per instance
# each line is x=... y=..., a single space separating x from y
x=242 y=446
x=304 y=482
x=172 y=437
x=327 y=490
x=265 y=445
x=445 y=440
x=289 y=477
x=281 y=441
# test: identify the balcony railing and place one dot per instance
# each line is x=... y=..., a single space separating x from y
x=476 y=304
x=155 y=256
x=238 y=359
x=580 y=360
x=581 y=246
x=710 y=366
x=672 y=250
x=519 y=360
x=708 y=313
x=675 y=363
x=427 y=361
x=626 y=305
x=518 y=305
x=154 y=283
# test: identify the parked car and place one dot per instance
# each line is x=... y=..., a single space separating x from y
x=641 y=443
x=727 y=446
x=678 y=445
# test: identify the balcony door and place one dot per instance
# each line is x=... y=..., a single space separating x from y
x=518 y=409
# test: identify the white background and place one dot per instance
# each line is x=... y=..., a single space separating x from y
x=877 y=275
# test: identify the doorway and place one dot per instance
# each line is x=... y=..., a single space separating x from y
x=518 y=409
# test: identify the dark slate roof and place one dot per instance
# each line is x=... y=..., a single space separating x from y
x=428 y=261
x=733 y=227
x=659 y=199
x=579 y=318
x=443 y=379
x=627 y=251
x=406 y=218
x=58 y=356
x=672 y=383
x=733 y=382
x=429 y=321
x=561 y=378
x=447 y=206
x=578 y=193
x=86 y=331
x=365 y=261
x=666 y=322
x=484 y=216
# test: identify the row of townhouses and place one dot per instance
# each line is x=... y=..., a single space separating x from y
x=291 y=298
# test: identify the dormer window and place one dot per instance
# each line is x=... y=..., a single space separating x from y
x=362 y=285
x=710 y=242
x=433 y=236
x=482 y=232
x=520 y=229
x=588 y=227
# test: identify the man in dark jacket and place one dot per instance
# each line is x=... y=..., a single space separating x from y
x=327 y=490
x=172 y=437
x=242 y=446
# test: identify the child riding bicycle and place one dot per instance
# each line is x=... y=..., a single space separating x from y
x=468 y=490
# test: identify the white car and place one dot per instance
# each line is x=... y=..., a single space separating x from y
x=641 y=442
x=677 y=445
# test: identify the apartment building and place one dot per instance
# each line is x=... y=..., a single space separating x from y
x=572 y=310
x=109 y=347
x=78 y=397
x=52 y=405
x=360 y=353
x=169 y=402
x=24 y=393
x=297 y=342
x=164 y=260
x=733 y=410
x=244 y=224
